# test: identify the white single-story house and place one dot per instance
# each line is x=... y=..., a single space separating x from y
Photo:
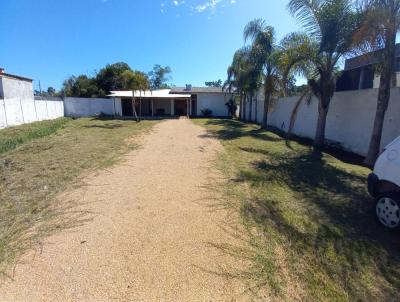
x=189 y=101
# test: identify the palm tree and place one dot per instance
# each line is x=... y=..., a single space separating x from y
x=331 y=25
x=135 y=81
x=242 y=77
x=274 y=63
x=378 y=30
x=264 y=56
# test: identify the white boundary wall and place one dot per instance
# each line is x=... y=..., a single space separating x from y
x=84 y=107
x=349 y=122
x=16 y=111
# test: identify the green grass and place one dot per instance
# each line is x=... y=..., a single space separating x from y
x=11 y=138
x=310 y=221
x=40 y=160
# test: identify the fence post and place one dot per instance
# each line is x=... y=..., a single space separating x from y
x=47 y=109
x=5 y=112
x=34 y=105
x=22 y=111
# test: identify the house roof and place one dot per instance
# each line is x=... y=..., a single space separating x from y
x=180 y=90
x=155 y=94
x=16 y=77
x=370 y=58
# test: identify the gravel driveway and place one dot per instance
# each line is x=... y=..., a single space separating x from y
x=150 y=237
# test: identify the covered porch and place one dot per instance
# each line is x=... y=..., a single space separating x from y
x=154 y=104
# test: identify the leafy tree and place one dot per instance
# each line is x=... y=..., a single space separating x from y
x=110 y=77
x=159 y=77
x=331 y=25
x=81 y=86
x=51 y=91
x=378 y=30
x=217 y=83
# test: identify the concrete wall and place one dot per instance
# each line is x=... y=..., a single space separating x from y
x=17 y=111
x=349 y=122
x=213 y=101
x=83 y=107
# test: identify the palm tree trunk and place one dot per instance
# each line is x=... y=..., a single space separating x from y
x=134 y=110
x=383 y=101
x=241 y=108
x=266 y=111
x=319 y=140
x=251 y=107
x=244 y=107
x=293 y=116
x=256 y=111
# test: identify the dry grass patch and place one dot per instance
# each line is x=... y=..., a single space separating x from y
x=43 y=159
x=315 y=238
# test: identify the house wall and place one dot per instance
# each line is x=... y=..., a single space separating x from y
x=14 y=88
x=18 y=105
x=85 y=107
x=349 y=122
x=213 y=101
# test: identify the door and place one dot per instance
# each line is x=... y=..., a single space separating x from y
x=194 y=105
x=181 y=107
x=127 y=108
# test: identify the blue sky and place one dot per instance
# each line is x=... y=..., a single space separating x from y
x=49 y=40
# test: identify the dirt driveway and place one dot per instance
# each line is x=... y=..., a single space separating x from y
x=151 y=237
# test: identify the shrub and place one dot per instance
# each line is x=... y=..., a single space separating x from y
x=206 y=112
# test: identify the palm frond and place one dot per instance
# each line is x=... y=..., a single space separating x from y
x=307 y=12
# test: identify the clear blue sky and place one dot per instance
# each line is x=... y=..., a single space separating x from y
x=49 y=40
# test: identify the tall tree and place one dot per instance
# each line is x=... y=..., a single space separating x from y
x=159 y=77
x=331 y=25
x=378 y=30
x=243 y=77
x=81 y=86
x=266 y=59
x=110 y=77
x=51 y=91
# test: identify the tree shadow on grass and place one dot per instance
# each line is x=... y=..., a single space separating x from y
x=347 y=239
x=233 y=129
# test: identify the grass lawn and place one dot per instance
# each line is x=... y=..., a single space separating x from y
x=310 y=221
x=39 y=160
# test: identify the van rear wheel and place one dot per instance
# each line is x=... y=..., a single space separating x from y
x=388 y=210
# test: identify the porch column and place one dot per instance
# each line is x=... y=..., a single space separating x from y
x=187 y=108
x=172 y=107
x=362 y=76
x=140 y=108
x=152 y=107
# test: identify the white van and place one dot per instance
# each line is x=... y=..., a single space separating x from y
x=384 y=185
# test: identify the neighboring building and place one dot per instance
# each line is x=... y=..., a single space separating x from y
x=18 y=104
x=188 y=101
x=202 y=98
x=15 y=87
x=359 y=72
